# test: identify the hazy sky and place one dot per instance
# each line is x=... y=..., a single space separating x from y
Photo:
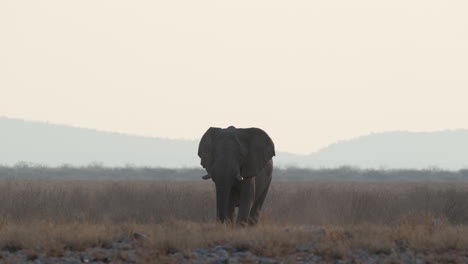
x=307 y=72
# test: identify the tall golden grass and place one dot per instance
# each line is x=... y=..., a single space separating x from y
x=179 y=216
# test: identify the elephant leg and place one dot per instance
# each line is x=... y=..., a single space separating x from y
x=257 y=206
x=263 y=184
x=231 y=208
x=247 y=195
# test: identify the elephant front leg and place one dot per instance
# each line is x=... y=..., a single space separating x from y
x=247 y=195
x=231 y=207
x=260 y=196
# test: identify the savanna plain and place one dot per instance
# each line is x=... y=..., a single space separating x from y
x=151 y=221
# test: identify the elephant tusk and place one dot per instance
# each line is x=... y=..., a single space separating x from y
x=206 y=177
x=239 y=177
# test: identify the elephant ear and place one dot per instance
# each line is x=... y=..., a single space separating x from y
x=260 y=150
x=205 y=148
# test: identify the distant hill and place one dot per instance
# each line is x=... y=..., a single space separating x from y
x=53 y=145
x=442 y=149
x=50 y=144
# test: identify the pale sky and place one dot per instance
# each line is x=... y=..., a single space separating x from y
x=307 y=72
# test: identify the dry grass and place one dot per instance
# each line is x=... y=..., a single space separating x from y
x=53 y=216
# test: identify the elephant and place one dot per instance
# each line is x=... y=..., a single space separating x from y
x=239 y=162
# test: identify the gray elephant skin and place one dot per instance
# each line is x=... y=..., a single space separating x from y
x=239 y=161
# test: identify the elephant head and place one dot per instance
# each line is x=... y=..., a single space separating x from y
x=231 y=156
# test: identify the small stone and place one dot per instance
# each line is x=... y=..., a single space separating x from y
x=37 y=261
x=241 y=254
x=228 y=247
x=319 y=232
x=125 y=239
x=244 y=246
x=221 y=252
x=340 y=261
x=263 y=260
x=219 y=261
x=178 y=255
x=140 y=236
x=71 y=261
x=198 y=261
x=216 y=248
x=305 y=248
x=200 y=252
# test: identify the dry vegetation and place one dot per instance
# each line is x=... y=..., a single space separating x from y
x=96 y=171
x=54 y=216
